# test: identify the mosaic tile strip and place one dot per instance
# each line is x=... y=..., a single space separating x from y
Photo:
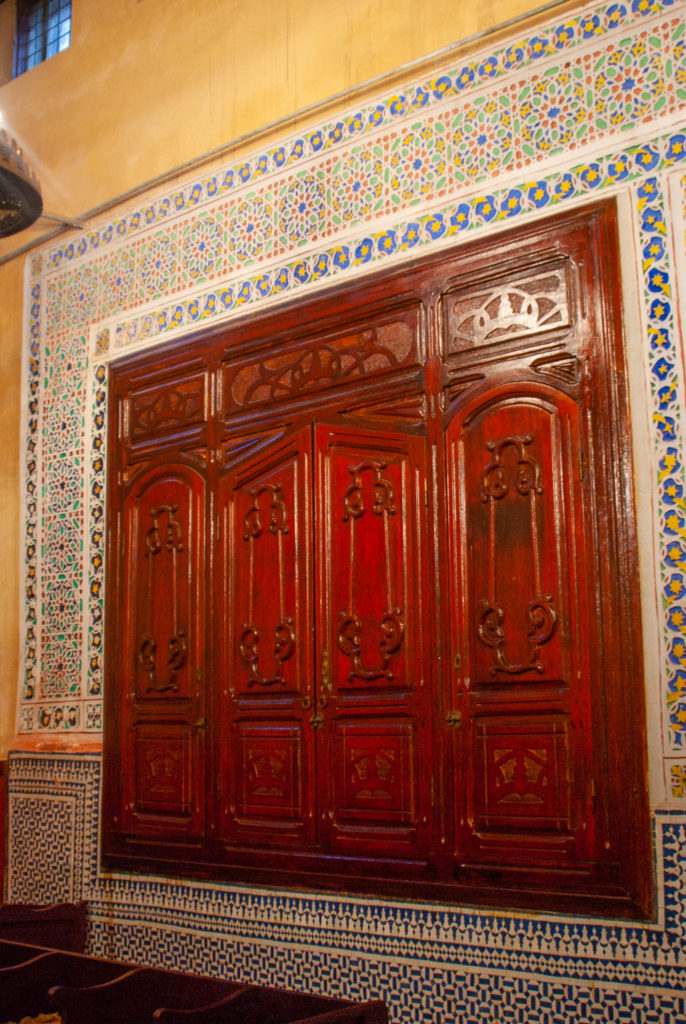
x=31 y=498
x=420 y=958
x=471 y=212
x=667 y=395
x=580 y=30
x=96 y=558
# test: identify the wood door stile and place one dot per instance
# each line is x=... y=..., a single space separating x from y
x=369 y=621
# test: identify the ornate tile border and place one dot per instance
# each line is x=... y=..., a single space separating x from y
x=582 y=107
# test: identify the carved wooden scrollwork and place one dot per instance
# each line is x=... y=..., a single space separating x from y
x=254 y=519
x=321 y=363
x=515 y=310
x=497 y=480
x=161 y=538
x=494 y=482
x=172 y=539
x=284 y=646
x=353 y=499
x=349 y=641
x=542 y=618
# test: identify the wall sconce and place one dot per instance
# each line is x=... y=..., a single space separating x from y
x=21 y=202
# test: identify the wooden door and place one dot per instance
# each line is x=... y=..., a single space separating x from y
x=373 y=701
x=520 y=715
x=161 y=656
x=264 y=596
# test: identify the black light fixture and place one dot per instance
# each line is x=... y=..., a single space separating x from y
x=21 y=202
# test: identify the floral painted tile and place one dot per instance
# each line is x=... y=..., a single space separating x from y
x=250 y=228
x=159 y=264
x=357 y=185
x=482 y=143
x=418 y=158
x=629 y=82
x=553 y=111
x=301 y=208
x=201 y=247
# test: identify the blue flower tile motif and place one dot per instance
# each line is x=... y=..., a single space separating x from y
x=420 y=98
x=538 y=195
x=564 y=188
x=539 y=47
x=666 y=426
x=465 y=77
x=660 y=310
x=263 y=285
x=658 y=281
x=563 y=35
x=301 y=272
x=281 y=279
x=244 y=293
x=341 y=257
x=397 y=105
x=460 y=218
x=511 y=204
x=320 y=267
x=591 y=175
x=666 y=397
x=410 y=235
x=364 y=250
x=435 y=226
x=514 y=57
x=226 y=298
x=672 y=491
x=647 y=158
x=653 y=251
x=316 y=140
x=486 y=208
x=676 y=150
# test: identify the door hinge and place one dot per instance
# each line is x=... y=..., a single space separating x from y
x=454 y=719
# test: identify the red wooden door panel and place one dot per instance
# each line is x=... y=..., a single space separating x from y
x=264 y=594
x=521 y=688
x=374 y=687
x=162 y=653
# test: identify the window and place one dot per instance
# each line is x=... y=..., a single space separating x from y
x=43 y=29
x=368 y=619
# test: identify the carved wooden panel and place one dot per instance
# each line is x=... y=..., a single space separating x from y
x=519 y=305
x=263 y=593
x=164 y=517
x=376 y=782
x=270 y=779
x=156 y=410
x=371 y=604
x=315 y=363
x=163 y=756
x=524 y=762
x=520 y=593
x=161 y=656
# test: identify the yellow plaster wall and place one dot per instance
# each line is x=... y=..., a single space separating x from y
x=149 y=85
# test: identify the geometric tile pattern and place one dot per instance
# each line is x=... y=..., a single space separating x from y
x=428 y=962
x=590 y=102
